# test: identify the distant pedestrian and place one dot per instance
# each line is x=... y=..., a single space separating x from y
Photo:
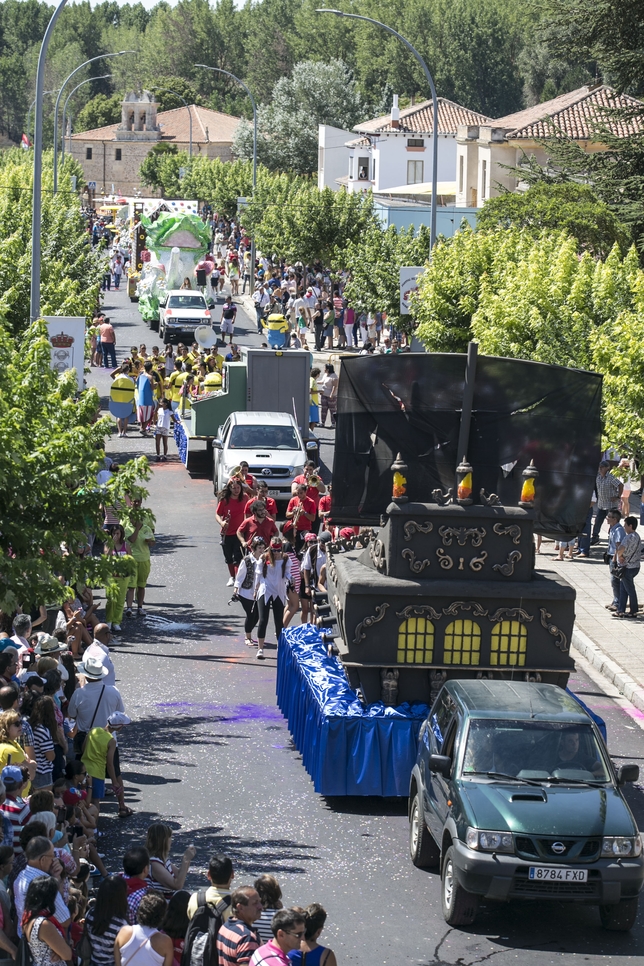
x=228 y=315
x=609 y=494
x=162 y=431
x=629 y=553
x=108 y=343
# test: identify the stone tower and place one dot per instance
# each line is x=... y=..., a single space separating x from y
x=138 y=118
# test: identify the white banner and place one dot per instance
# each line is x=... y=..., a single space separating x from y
x=67 y=338
x=408 y=285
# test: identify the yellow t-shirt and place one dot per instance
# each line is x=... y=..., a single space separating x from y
x=11 y=749
x=95 y=754
x=173 y=392
x=315 y=392
x=140 y=549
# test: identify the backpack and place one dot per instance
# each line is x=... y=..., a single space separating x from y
x=201 y=937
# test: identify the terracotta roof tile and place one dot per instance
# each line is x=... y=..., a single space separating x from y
x=419 y=119
x=175 y=127
x=578 y=114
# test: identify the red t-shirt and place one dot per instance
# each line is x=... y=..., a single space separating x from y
x=249 y=528
x=312 y=492
x=303 y=522
x=271 y=506
x=236 y=509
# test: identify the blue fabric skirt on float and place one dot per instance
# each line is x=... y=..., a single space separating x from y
x=346 y=748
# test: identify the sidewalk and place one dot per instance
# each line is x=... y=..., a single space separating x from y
x=614 y=647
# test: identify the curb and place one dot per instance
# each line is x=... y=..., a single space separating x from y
x=610 y=669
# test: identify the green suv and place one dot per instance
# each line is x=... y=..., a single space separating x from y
x=513 y=795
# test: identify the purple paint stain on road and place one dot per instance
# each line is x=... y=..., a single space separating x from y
x=237 y=712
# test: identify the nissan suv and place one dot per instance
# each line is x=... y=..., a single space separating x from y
x=513 y=796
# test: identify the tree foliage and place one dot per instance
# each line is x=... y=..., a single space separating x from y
x=99 y=112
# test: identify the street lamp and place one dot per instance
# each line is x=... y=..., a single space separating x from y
x=119 y=53
x=220 y=70
x=430 y=81
x=185 y=104
x=36 y=213
x=31 y=107
x=71 y=93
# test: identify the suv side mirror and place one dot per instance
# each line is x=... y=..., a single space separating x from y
x=627 y=773
x=217 y=443
x=310 y=446
x=440 y=764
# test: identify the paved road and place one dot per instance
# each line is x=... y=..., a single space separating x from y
x=210 y=754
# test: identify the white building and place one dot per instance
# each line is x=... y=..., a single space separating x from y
x=396 y=150
x=487 y=151
x=332 y=156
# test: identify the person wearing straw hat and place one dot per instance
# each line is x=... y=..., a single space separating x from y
x=91 y=706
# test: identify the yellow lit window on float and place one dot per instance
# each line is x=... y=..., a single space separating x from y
x=508 y=644
x=415 y=641
x=462 y=644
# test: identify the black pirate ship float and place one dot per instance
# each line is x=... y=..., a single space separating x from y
x=450 y=465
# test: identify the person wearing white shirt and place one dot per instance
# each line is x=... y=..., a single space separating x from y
x=271 y=588
x=22 y=630
x=41 y=860
x=99 y=650
x=261 y=298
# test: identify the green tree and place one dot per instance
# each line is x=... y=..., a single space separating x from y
x=570 y=207
x=161 y=167
x=99 y=112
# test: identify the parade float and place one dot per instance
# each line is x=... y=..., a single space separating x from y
x=449 y=468
x=176 y=244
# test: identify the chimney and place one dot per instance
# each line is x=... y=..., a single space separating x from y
x=395 y=113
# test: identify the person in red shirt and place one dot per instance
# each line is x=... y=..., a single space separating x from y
x=250 y=483
x=324 y=509
x=259 y=524
x=301 y=513
x=313 y=489
x=230 y=516
x=268 y=501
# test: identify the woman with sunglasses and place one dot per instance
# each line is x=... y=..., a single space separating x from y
x=245 y=583
x=273 y=578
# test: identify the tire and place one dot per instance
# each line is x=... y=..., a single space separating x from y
x=459 y=907
x=423 y=850
x=154 y=324
x=619 y=917
x=162 y=333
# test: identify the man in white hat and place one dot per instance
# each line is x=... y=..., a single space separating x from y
x=92 y=704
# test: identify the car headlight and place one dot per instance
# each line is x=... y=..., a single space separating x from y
x=621 y=845
x=485 y=841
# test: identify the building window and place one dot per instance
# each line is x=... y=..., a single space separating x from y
x=117 y=154
x=415 y=641
x=461 y=173
x=415 y=142
x=88 y=154
x=363 y=169
x=483 y=180
x=462 y=644
x=415 y=172
x=320 y=158
x=508 y=644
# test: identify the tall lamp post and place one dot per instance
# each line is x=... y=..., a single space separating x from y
x=430 y=81
x=119 y=53
x=71 y=93
x=220 y=70
x=185 y=104
x=36 y=213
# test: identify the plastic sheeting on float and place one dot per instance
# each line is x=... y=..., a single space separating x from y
x=346 y=749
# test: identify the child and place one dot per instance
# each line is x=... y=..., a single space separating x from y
x=164 y=420
x=99 y=760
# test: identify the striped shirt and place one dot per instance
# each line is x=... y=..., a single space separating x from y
x=263 y=925
x=43 y=743
x=270 y=955
x=17 y=811
x=236 y=943
x=103 y=946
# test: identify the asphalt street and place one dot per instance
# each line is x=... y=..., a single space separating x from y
x=209 y=752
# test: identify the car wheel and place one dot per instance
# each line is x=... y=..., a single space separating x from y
x=459 y=906
x=162 y=333
x=619 y=917
x=423 y=849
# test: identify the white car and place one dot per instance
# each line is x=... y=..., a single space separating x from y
x=181 y=312
x=270 y=443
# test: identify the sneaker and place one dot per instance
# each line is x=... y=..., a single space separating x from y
x=128 y=612
x=116 y=628
x=141 y=613
x=260 y=654
x=231 y=581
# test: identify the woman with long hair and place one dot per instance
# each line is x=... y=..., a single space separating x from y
x=106 y=918
x=273 y=578
x=164 y=877
x=270 y=894
x=45 y=728
x=245 y=582
x=230 y=516
x=44 y=935
x=175 y=924
x=11 y=751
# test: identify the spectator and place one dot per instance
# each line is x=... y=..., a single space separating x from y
x=609 y=492
x=288 y=932
x=9 y=698
x=101 y=759
x=237 y=940
x=136 y=866
x=99 y=650
x=16 y=781
x=270 y=894
x=11 y=751
x=106 y=918
x=108 y=343
x=220 y=875
x=92 y=705
x=310 y=951
x=616 y=536
x=164 y=876
x=329 y=388
x=22 y=630
x=41 y=861
x=629 y=554
x=175 y=924
x=138 y=944
x=6 y=923
x=45 y=728
x=42 y=922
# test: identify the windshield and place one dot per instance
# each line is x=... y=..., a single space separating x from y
x=186 y=302
x=263 y=437
x=536 y=750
